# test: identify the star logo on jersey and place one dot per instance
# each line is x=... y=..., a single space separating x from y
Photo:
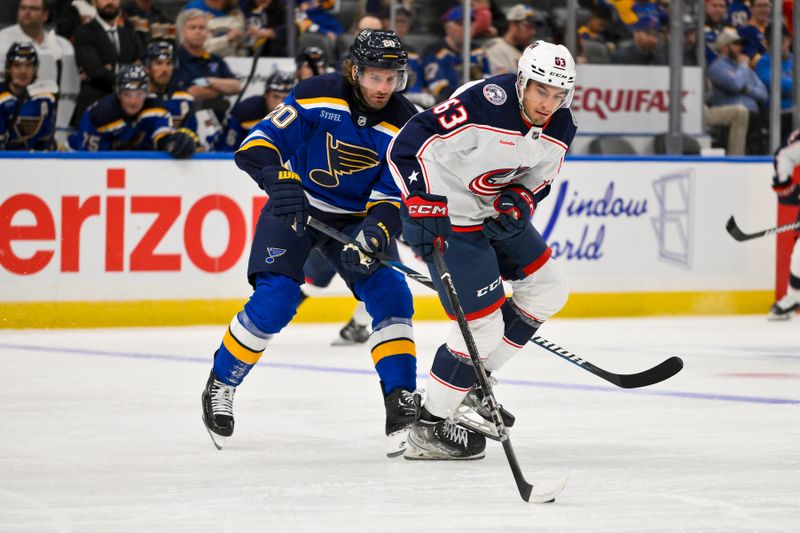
x=413 y=177
x=492 y=182
x=343 y=158
x=272 y=254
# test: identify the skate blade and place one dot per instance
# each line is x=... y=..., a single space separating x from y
x=217 y=440
x=546 y=491
x=779 y=318
x=396 y=443
x=470 y=419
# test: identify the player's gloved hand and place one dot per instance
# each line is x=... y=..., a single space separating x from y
x=787 y=190
x=288 y=202
x=182 y=144
x=426 y=223
x=372 y=237
x=515 y=206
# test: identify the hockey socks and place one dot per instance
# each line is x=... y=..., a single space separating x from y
x=240 y=350
x=394 y=354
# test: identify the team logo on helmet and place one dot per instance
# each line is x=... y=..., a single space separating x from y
x=495 y=94
x=492 y=182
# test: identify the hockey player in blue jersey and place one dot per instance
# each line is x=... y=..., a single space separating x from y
x=322 y=152
x=250 y=111
x=27 y=121
x=129 y=119
x=472 y=170
x=160 y=67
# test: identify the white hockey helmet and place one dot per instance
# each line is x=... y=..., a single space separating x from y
x=547 y=63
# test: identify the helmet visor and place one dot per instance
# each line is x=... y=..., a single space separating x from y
x=378 y=78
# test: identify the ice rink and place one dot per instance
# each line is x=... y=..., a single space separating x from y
x=101 y=432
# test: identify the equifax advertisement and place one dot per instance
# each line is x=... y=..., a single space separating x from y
x=93 y=229
x=627 y=99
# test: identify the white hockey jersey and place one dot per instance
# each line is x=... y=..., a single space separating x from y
x=472 y=146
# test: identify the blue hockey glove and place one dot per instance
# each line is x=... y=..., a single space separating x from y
x=515 y=206
x=426 y=224
x=288 y=202
x=372 y=237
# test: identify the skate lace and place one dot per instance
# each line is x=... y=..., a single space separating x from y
x=222 y=398
x=454 y=433
x=406 y=403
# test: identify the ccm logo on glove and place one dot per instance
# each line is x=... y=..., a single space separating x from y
x=420 y=207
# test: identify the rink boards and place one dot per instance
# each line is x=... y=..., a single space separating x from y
x=130 y=240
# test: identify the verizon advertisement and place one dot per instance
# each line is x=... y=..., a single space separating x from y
x=89 y=230
x=629 y=99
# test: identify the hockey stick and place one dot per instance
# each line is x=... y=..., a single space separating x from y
x=739 y=235
x=664 y=370
x=544 y=493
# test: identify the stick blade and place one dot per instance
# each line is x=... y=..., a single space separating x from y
x=545 y=491
x=734 y=231
x=664 y=370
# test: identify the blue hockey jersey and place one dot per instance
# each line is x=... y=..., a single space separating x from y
x=27 y=122
x=339 y=150
x=241 y=120
x=104 y=126
x=443 y=70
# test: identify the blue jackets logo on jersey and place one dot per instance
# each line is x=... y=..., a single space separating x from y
x=492 y=182
x=272 y=253
x=343 y=158
x=495 y=94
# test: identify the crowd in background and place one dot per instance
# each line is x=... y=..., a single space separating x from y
x=182 y=48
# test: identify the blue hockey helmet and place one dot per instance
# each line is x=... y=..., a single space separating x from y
x=132 y=78
x=160 y=50
x=280 y=81
x=21 y=53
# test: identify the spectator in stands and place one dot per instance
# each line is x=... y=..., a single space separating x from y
x=265 y=23
x=251 y=110
x=309 y=62
x=732 y=79
x=442 y=62
x=716 y=21
x=764 y=72
x=226 y=34
x=204 y=75
x=403 y=21
x=148 y=21
x=754 y=40
x=733 y=82
x=503 y=53
x=482 y=27
x=738 y=14
x=27 y=120
x=52 y=50
x=101 y=47
x=645 y=49
x=315 y=16
x=736 y=118
x=596 y=26
x=66 y=18
x=689 y=42
x=129 y=119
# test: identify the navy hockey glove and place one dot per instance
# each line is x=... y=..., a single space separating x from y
x=426 y=224
x=515 y=206
x=288 y=202
x=372 y=237
x=182 y=144
x=787 y=190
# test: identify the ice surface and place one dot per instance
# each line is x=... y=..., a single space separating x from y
x=101 y=432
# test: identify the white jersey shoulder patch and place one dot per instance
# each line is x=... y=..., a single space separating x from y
x=495 y=94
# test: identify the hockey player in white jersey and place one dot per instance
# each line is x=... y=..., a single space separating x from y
x=471 y=171
x=786 y=186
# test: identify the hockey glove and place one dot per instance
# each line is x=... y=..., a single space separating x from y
x=787 y=190
x=182 y=144
x=288 y=202
x=426 y=224
x=372 y=237
x=515 y=206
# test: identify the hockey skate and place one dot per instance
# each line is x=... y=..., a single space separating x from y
x=443 y=440
x=351 y=333
x=784 y=308
x=217 y=402
x=474 y=413
x=400 y=414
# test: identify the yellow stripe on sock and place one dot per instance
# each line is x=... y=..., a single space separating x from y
x=240 y=352
x=388 y=349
